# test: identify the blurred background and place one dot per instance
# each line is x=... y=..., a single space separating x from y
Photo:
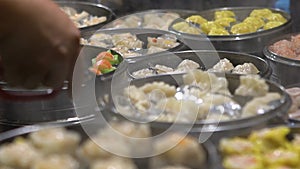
x=123 y=7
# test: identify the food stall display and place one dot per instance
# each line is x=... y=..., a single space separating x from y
x=230 y=74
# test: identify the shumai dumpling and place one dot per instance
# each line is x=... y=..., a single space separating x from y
x=242 y=28
x=259 y=105
x=244 y=161
x=255 y=21
x=252 y=85
x=225 y=21
x=261 y=13
x=272 y=24
x=218 y=32
x=206 y=27
x=276 y=17
x=196 y=19
x=224 y=14
x=224 y=65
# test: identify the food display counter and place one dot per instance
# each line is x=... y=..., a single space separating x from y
x=201 y=86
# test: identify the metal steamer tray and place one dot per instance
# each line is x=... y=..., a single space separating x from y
x=141 y=163
x=58 y=107
x=93 y=9
x=249 y=43
x=206 y=60
x=277 y=115
x=140 y=15
x=294 y=129
x=284 y=69
x=142 y=34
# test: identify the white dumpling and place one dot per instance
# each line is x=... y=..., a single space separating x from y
x=56 y=161
x=187 y=65
x=18 y=154
x=135 y=94
x=155 y=49
x=161 y=69
x=55 y=140
x=186 y=152
x=246 y=68
x=114 y=163
x=210 y=100
x=252 y=85
x=132 y=21
x=224 y=65
x=168 y=90
x=100 y=37
x=127 y=40
x=174 y=167
x=143 y=73
x=182 y=110
x=206 y=81
x=122 y=138
x=259 y=105
x=153 y=19
x=90 y=151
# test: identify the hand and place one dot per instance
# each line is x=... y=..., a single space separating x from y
x=39 y=44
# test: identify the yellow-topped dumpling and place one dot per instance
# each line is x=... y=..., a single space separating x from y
x=272 y=24
x=186 y=28
x=261 y=13
x=206 y=27
x=225 y=21
x=224 y=14
x=196 y=19
x=242 y=28
x=255 y=21
x=237 y=146
x=218 y=32
x=246 y=161
x=282 y=157
x=269 y=139
x=180 y=26
x=276 y=17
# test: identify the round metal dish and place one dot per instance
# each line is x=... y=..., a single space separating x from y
x=248 y=43
x=295 y=129
x=285 y=70
x=206 y=60
x=58 y=108
x=142 y=163
x=221 y=128
x=159 y=12
x=93 y=9
x=141 y=34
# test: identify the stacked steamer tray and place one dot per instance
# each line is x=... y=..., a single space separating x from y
x=282 y=54
x=155 y=19
x=20 y=107
x=140 y=68
x=217 y=103
x=133 y=43
x=270 y=147
x=87 y=16
x=218 y=26
x=70 y=145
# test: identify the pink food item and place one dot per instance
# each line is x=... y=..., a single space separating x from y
x=296 y=43
x=286 y=48
x=294 y=111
